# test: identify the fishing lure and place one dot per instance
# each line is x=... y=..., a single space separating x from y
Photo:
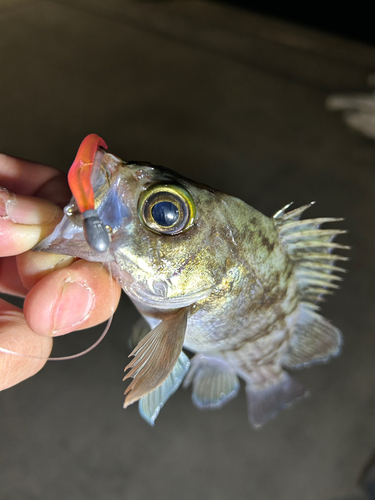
x=79 y=179
x=208 y=273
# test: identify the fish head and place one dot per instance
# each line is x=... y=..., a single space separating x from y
x=166 y=247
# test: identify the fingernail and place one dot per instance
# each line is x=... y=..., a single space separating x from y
x=26 y=209
x=75 y=305
x=4 y=197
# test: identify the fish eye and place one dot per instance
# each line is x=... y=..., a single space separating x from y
x=166 y=209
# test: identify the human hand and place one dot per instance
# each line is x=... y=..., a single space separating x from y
x=62 y=294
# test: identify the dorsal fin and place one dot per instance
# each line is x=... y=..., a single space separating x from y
x=311 y=249
x=315 y=339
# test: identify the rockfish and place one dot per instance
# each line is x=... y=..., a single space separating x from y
x=208 y=273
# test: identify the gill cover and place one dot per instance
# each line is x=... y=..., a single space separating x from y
x=79 y=179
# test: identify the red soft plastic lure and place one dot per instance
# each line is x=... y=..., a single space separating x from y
x=79 y=176
x=79 y=179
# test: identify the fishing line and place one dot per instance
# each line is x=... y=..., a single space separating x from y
x=80 y=353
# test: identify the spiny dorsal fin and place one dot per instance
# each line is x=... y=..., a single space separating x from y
x=293 y=215
x=314 y=339
x=155 y=356
x=310 y=248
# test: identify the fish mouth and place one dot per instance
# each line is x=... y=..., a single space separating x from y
x=69 y=236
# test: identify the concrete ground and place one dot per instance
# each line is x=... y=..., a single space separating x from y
x=236 y=101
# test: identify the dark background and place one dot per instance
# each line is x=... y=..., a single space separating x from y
x=352 y=20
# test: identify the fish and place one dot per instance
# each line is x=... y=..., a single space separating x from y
x=209 y=274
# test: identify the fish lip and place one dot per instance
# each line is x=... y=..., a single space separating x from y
x=68 y=237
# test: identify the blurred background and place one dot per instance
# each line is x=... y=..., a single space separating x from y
x=234 y=99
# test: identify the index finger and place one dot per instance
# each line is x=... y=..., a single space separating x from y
x=25 y=218
x=23 y=176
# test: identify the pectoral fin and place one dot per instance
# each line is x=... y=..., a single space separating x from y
x=151 y=404
x=155 y=356
x=140 y=329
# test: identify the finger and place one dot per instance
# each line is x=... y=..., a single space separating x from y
x=76 y=297
x=23 y=176
x=24 y=221
x=16 y=336
x=33 y=266
x=10 y=281
x=56 y=190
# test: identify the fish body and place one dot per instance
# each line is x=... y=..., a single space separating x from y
x=209 y=273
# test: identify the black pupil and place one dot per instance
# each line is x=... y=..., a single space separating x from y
x=165 y=213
